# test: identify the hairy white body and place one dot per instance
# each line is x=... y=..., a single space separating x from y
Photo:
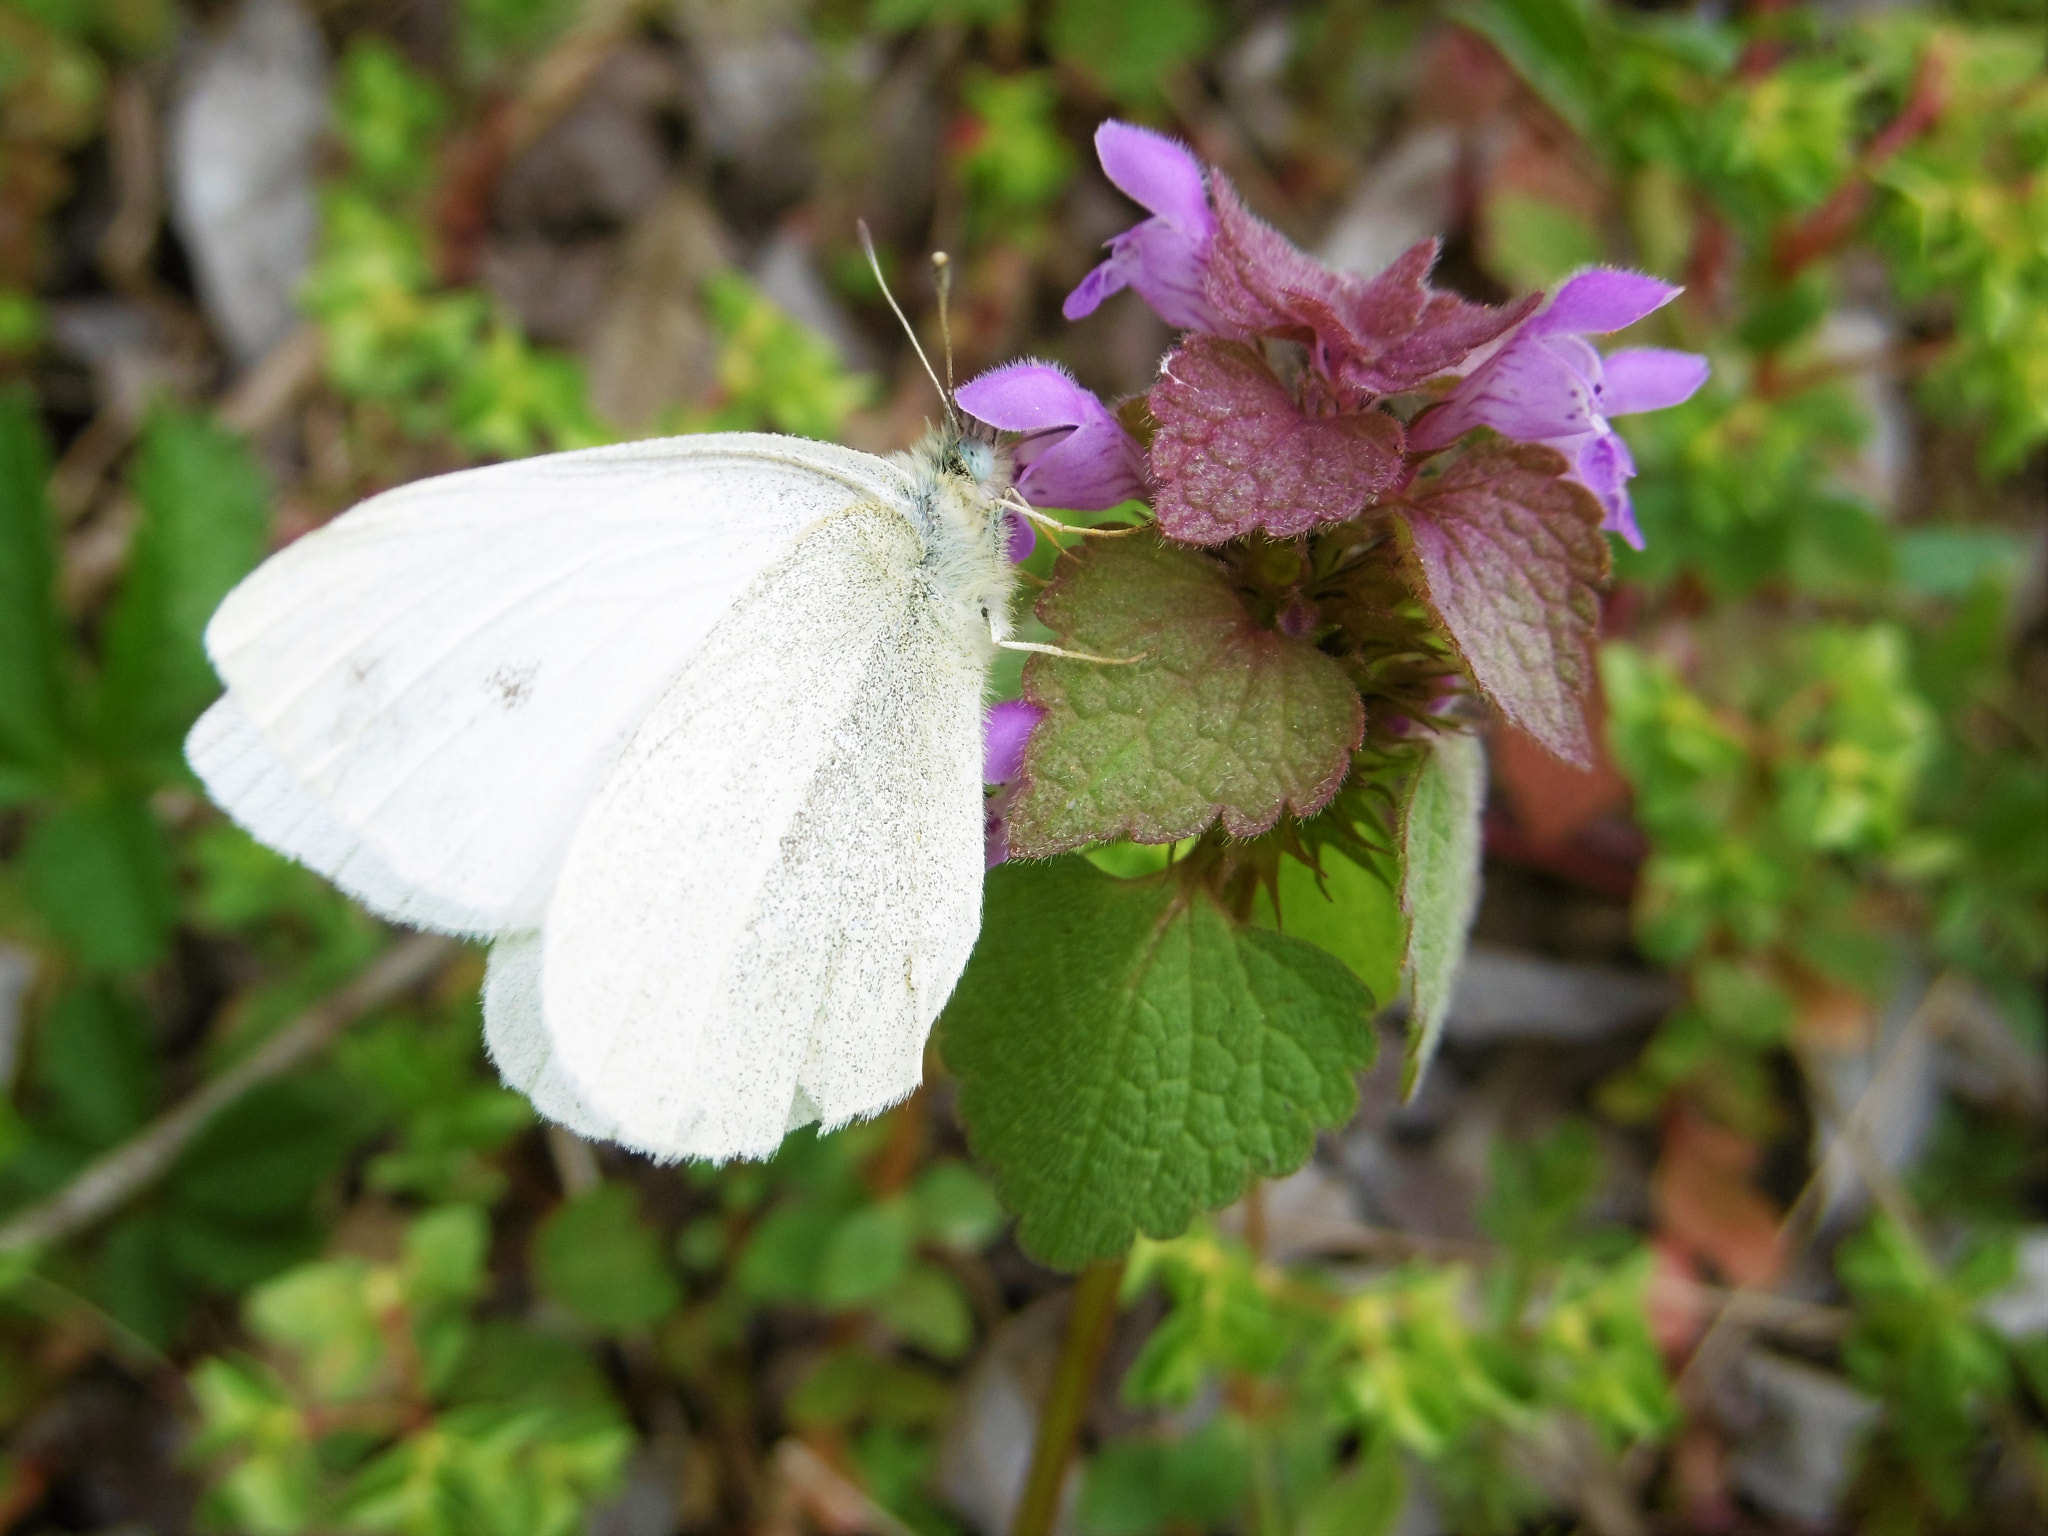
x=690 y=728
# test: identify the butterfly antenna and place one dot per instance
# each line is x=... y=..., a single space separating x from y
x=867 y=244
x=942 y=275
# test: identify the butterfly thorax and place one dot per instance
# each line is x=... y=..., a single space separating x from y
x=957 y=484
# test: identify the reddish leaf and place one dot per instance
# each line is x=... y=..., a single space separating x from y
x=1404 y=332
x=1258 y=282
x=1375 y=335
x=1234 y=453
x=1512 y=559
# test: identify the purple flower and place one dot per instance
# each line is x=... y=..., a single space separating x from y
x=1164 y=257
x=1005 y=735
x=1546 y=384
x=1072 y=452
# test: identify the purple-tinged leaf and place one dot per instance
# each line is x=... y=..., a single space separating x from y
x=1257 y=281
x=1404 y=333
x=1234 y=453
x=1222 y=718
x=1512 y=559
x=1374 y=336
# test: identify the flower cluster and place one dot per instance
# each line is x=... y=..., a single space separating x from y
x=1242 y=447
x=1300 y=397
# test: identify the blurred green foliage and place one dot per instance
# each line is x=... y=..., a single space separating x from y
x=1836 y=766
x=1445 y=1363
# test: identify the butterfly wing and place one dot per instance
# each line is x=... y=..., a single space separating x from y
x=425 y=694
x=771 y=898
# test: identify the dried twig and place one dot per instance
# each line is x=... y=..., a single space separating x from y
x=109 y=1182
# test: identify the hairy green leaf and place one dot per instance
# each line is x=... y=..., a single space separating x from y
x=1440 y=858
x=205 y=513
x=1128 y=1056
x=1512 y=559
x=1222 y=718
x=30 y=699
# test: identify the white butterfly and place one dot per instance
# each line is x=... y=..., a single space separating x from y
x=690 y=729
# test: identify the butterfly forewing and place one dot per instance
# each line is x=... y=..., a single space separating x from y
x=425 y=694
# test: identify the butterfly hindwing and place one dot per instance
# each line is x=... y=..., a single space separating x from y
x=771 y=897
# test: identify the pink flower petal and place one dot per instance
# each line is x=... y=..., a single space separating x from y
x=1027 y=396
x=1156 y=172
x=1166 y=267
x=1074 y=453
x=1005 y=735
x=1604 y=299
x=1089 y=293
x=1650 y=379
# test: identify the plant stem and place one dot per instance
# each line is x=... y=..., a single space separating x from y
x=1089 y=1316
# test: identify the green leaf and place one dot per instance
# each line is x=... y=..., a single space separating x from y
x=1224 y=718
x=1440 y=858
x=784 y=1253
x=1128 y=1056
x=95 y=1067
x=954 y=1206
x=1532 y=242
x=1512 y=558
x=31 y=636
x=1353 y=912
x=868 y=1252
x=595 y=1257
x=136 y=1282
x=1365 y=1501
x=1131 y=45
x=99 y=873
x=265 y=1154
x=1139 y=1487
x=1015 y=161
x=1550 y=43
x=445 y=1252
x=851 y=1384
x=205 y=515
x=239 y=1206
x=927 y=1309
x=326 y=1316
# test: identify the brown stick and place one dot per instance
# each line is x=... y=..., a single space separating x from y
x=109 y=1182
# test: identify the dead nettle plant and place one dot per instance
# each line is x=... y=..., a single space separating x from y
x=1375 y=508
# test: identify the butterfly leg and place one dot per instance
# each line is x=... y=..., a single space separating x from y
x=1054 y=527
x=1054 y=650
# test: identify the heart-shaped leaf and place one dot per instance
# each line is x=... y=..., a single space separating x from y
x=1223 y=718
x=1129 y=1056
